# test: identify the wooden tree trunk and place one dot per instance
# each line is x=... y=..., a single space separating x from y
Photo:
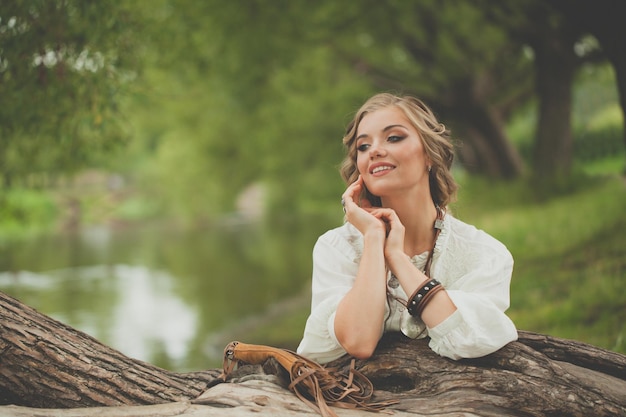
x=46 y=364
x=555 y=67
x=600 y=19
x=485 y=146
x=537 y=375
x=491 y=152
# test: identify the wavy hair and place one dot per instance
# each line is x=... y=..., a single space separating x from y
x=435 y=139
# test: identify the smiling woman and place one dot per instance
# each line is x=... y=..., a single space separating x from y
x=401 y=262
x=413 y=117
x=390 y=155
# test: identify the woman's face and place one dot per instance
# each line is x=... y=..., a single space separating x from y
x=390 y=154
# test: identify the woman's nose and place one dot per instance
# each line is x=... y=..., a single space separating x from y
x=376 y=151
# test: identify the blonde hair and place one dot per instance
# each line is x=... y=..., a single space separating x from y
x=435 y=138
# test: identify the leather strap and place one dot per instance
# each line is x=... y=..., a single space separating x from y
x=315 y=385
x=437 y=226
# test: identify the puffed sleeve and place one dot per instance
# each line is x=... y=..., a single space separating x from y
x=477 y=279
x=334 y=271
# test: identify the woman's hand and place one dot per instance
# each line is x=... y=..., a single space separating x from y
x=358 y=212
x=394 y=244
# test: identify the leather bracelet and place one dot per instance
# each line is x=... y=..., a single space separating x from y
x=417 y=297
x=429 y=296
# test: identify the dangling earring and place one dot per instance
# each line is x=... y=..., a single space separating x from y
x=430 y=168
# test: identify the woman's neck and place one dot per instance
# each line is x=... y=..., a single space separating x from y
x=418 y=217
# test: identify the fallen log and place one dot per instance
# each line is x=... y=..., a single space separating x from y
x=537 y=375
x=44 y=363
x=58 y=370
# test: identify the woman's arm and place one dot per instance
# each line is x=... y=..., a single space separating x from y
x=476 y=270
x=359 y=320
x=439 y=308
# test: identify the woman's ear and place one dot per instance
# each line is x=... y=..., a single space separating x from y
x=429 y=163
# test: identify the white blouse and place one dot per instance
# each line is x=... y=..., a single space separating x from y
x=472 y=266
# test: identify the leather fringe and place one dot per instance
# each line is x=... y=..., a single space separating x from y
x=317 y=386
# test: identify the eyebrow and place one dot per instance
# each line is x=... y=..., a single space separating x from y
x=364 y=135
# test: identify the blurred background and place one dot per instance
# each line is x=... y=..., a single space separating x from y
x=167 y=165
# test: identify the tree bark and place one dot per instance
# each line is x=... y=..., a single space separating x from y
x=555 y=66
x=489 y=150
x=601 y=19
x=537 y=375
x=484 y=145
x=46 y=364
x=618 y=59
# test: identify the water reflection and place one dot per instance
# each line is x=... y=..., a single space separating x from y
x=146 y=315
x=167 y=296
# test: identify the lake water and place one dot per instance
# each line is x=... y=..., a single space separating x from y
x=167 y=296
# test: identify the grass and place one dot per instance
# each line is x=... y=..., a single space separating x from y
x=579 y=294
x=570 y=257
x=537 y=228
x=604 y=166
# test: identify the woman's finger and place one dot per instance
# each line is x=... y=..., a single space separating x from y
x=351 y=193
x=395 y=228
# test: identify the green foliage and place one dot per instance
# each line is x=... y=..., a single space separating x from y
x=267 y=103
x=229 y=94
x=311 y=101
x=199 y=155
x=595 y=92
x=24 y=212
x=606 y=166
x=210 y=143
x=63 y=66
x=598 y=118
x=599 y=142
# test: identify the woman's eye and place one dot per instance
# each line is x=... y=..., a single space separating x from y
x=362 y=147
x=395 y=138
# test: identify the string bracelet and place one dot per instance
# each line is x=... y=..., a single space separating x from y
x=414 y=305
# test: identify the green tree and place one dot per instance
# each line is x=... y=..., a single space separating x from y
x=464 y=67
x=64 y=66
x=423 y=48
x=263 y=90
x=467 y=59
x=559 y=50
x=264 y=103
